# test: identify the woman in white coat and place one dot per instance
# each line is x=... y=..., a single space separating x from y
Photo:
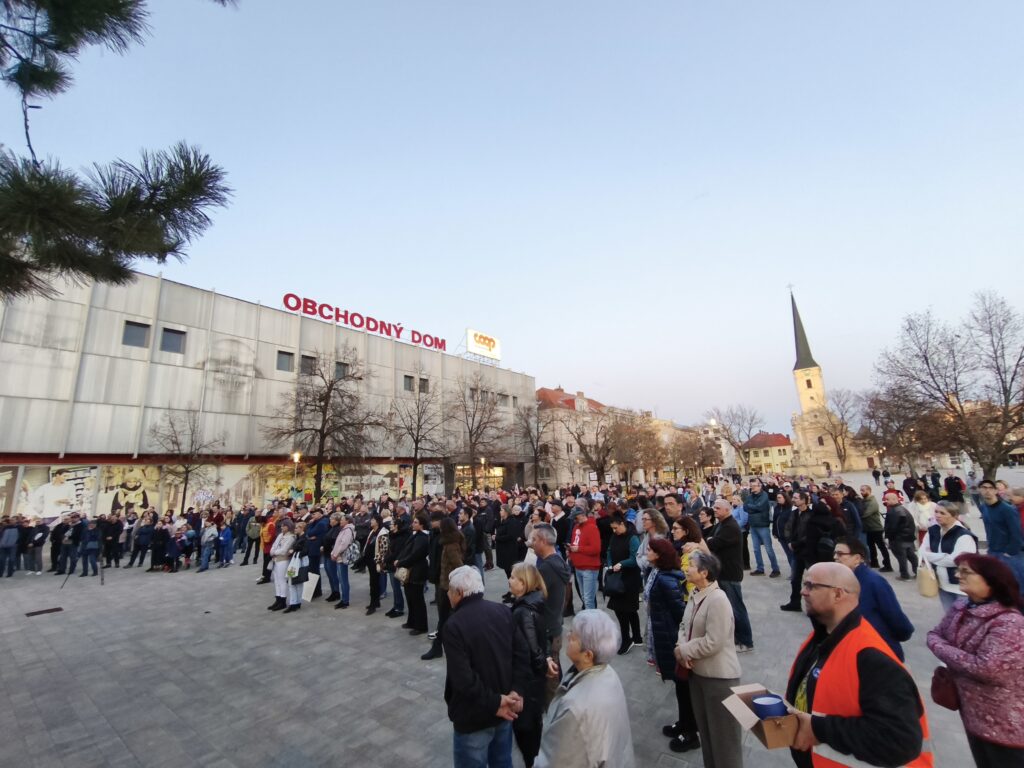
x=943 y=543
x=280 y=552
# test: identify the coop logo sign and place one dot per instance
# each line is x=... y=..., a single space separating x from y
x=483 y=344
x=332 y=314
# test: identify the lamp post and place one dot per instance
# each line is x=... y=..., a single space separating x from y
x=295 y=474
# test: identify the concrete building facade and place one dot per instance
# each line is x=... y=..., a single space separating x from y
x=88 y=373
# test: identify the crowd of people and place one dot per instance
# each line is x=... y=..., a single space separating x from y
x=669 y=561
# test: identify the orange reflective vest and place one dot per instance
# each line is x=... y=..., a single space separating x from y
x=837 y=693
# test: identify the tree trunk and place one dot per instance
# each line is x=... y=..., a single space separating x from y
x=989 y=470
x=415 y=471
x=184 y=490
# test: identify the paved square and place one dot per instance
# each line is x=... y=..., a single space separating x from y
x=191 y=669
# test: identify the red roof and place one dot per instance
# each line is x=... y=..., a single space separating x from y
x=559 y=398
x=767 y=440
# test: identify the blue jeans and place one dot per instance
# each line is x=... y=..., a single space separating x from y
x=587 y=581
x=383 y=584
x=488 y=748
x=343 y=581
x=332 y=574
x=7 y=555
x=204 y=561
x=396 y=590
x=89 y=558
x=478 y=561
x=763 y=536
x=743 y=634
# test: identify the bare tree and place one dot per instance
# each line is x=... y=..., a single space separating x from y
x=417 y=423
x=326 y=418
x=739 y=423
x=838 y=421
x=532 y=425
x=473 y=411
x=179 y=436
x=594 y=435
x=972 y=373
x=682 y=451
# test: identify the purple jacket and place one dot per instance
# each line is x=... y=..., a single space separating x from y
x=983 y=646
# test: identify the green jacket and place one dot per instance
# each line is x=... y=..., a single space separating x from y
x=871 y=515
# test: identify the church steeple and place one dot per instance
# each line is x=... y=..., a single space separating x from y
x=804 y=359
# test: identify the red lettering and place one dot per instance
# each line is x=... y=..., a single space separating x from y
x=354 y=323
x=416 y=337
x=341 y=316
x=326 y=311
x=372 y=324
x=385 y=328
x=292 y=302
x=308 y=307
x=440 y=345
x=428 y=340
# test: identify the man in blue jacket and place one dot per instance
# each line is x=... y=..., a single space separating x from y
x=758 y=509
x=1002 y=529
x=878 y=603
x=315 y=532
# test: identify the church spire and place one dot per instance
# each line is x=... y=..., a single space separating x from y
x=803 y=349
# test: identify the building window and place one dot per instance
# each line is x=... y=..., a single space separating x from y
x=821 y=440
x=503 y=401
x=408 y=384
x=424 y=386
x=757 y=454
x=808 y=383
x=135 y=334
x=515 y=401
x=307 y=365
x=341 y=370
x=285 y=361
x=568 y=447
x=782 y=451
x=172 y=341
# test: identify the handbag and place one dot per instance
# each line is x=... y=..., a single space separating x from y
x=402 y=574
x=944 y=692
x=927 y=584
x=614 y=584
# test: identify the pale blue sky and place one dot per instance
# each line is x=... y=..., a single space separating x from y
x=619 y=191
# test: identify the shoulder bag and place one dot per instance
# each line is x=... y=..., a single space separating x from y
x=927 y=584
x=944 y=692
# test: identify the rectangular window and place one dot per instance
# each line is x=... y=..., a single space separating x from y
x=172 y=341
x=809 y=385
x=340 y=370
x=285 y=361
x=307 y=364
x=135 y=334
x=408 y=384
x=515 y=401
x=568 y=447
x=424 y=386
x=503 y=401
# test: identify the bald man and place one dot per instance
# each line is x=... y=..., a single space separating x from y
x=864 y=701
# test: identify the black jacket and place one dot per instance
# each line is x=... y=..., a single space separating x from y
x=888 y=732
x=727 y=544
x=555 y=572
x=485 y=659
x=414 y=557
x=469 y=532
x=528 y=616
x=399 y=536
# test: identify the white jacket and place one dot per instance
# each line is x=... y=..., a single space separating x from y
x=940 y=561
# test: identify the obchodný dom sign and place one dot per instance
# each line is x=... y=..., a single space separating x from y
x=360 y=322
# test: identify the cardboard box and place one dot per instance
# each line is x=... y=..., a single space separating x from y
x=775 y=732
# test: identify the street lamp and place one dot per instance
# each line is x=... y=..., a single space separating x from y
x=295 y=475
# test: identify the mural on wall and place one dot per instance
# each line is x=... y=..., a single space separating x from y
x=8 y=482
x=370 y=480
x=49 y=492
x=124 y=487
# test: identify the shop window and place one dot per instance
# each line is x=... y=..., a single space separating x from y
x=172 y=341
x=341 y=370
x=307 y=365
x=135 y=334
x=424 y=386
x=285 y=361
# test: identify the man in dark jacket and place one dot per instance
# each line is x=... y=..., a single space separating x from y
x=901 y=532
x=555 y=572
x=758 y=509
x=726 y=543
x=70 y=544
x=487 y=672
x=316 y=529
x=56 y=539
x=471 y=557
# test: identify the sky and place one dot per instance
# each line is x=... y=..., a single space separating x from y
x=620 y=192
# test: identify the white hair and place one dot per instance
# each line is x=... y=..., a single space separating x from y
x=466 y=581
x=597 y=633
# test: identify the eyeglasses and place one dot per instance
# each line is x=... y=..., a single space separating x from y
x=963 y=572
x=810 y=586
x=837 y=553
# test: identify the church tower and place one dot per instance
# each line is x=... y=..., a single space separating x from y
x=810 y=386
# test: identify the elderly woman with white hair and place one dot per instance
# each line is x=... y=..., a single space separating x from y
x=280 y=552
x=706 y=652
x=587 y=724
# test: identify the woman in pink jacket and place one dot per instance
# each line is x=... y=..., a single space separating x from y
x=981 y=641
